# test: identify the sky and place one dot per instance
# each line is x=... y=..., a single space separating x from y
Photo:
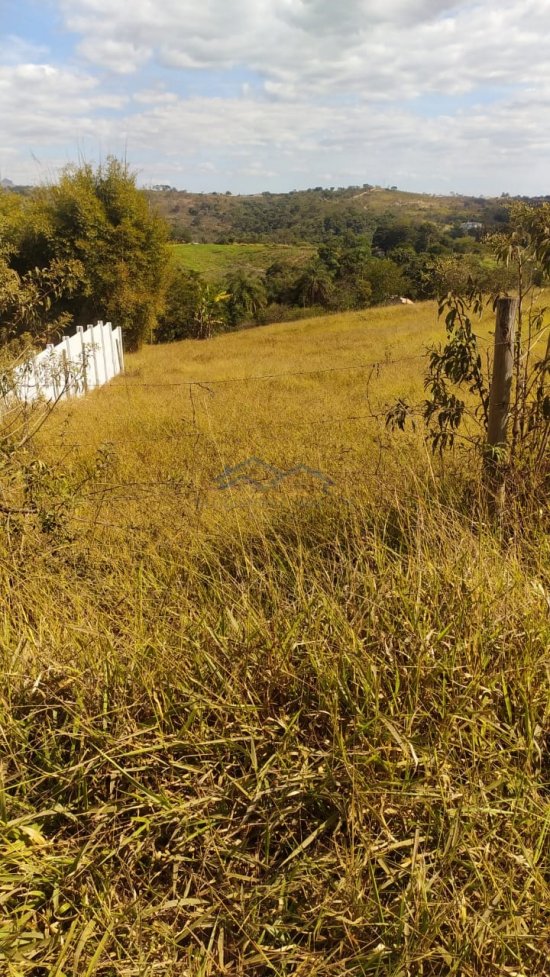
x=256 y=95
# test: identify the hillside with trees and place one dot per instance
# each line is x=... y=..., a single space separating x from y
x=95 y=246
x=340 y=249
x=315 y=214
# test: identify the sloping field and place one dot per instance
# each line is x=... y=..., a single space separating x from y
x=289 y=719
x=288 y=395
x=215 y=261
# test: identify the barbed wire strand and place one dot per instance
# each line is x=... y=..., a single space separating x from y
x=197 y=495
x=195 y=432
x=214 y=381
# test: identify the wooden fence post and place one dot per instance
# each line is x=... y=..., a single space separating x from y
x=500 y=393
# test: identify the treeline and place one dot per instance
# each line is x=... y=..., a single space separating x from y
x=342 y=275
x=277 y=219
x=314 y=215
x=361 y=259
x=92 y=246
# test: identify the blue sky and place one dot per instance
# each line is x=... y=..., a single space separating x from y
x=252 y=95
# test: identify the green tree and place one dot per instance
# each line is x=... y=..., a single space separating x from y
x=385 y=277
x=280 y=279
x=11 y=223
x=29 y=299
x=192 y=310
x=247 y=297
x=101 y=219
x=354 y=260
x=178 y=317
x=315 y=286
x=427 y=234
x=392 y=233
x=460 y=273
x=330 y=253
x=210 y=314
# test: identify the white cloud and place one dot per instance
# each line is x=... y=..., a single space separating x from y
x=123 y=57
x=40 y=103
x=250 y=144
x=274 y=143
x=378 y=48
x=316 y=87
x=15 y=49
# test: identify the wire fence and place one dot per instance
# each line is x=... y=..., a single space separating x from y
x=280 y=375
x=247 y=479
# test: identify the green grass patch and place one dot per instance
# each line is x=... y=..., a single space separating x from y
x=215 y=261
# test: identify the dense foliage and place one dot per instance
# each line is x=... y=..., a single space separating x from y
x=93 y=247
x=370 y=246
x=319 y=213
x=340 y=274
x=94 y=224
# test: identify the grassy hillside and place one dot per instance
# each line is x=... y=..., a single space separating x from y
x=214 y=261
x=421 y=206
x=306 y=382
x=270 y=722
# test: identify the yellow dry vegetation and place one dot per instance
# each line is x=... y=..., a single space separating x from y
x=254 y=724
x=310 y=394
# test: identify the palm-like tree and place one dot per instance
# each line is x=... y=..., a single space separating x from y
x=247 y=296
x=315 y=285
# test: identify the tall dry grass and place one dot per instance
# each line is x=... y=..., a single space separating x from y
x=301 y=730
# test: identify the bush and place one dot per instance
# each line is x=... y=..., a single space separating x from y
x=177 y=320
x=193 y=309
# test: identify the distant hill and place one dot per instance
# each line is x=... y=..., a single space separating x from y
x=23 y=189
x=313 y=215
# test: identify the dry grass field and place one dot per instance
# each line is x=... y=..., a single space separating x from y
x=289 y=394
x=286 y=719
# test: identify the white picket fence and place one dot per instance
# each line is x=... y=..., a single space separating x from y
x=77 y=364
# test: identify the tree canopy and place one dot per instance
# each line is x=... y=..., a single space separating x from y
x=99 y=219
